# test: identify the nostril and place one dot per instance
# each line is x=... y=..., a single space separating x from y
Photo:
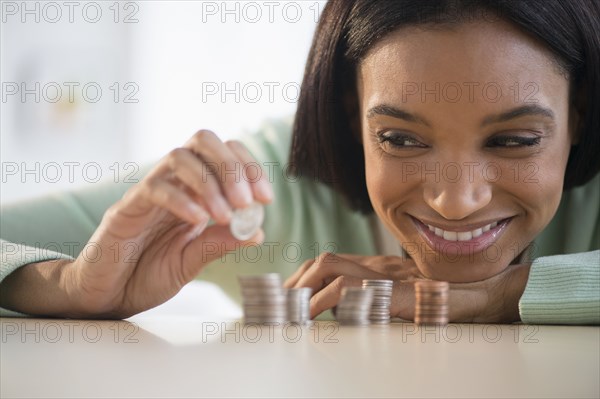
x=457 y=201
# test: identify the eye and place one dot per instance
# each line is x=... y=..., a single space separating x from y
x=513 y=141
x=399 y=140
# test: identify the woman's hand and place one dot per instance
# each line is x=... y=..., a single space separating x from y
x=494 y=300
x=155 y=239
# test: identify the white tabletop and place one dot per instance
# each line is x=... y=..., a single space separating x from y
x=191 y=348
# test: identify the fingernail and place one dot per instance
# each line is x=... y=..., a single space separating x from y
x=197 y=212
x=222 y=209
x=244 y=195
x=265 y=190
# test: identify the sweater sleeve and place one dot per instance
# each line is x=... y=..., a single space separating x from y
x=564 y=279
x=563 y=289
x=13 y=256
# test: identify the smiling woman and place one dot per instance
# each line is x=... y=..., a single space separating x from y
x=443 y=140
x=458 y=123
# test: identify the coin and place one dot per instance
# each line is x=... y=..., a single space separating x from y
x=245 y=222
x=264 y=298
x=298 y=305
x=382 y=294
x=431 y=302
x=354 y=306
x=266 y=301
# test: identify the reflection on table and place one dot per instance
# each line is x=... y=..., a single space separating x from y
x=181 y=353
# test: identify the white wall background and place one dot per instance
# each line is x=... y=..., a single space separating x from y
x=164 y=68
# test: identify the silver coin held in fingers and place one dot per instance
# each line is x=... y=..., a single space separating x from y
x=245 y=222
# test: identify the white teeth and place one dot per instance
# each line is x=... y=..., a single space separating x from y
x=450 y=235
x=465 y=236
x=462 y=235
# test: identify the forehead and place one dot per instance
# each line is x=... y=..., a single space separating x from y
x=475 y=53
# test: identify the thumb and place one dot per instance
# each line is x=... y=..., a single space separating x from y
x=214 y=242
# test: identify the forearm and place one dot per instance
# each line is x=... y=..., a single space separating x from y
x=38 y=289
x=515 y=286
x=495 y=300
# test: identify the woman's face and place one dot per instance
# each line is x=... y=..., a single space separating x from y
x=466 y=134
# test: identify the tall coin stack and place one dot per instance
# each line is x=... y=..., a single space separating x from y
x=354 y=306
x=382 y=299
x=298 y=305
x=264 y=298
x=431 y=305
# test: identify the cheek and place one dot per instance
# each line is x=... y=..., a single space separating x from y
x=542 y=187
x=538 y=186
x=375 y=175
x=385 y=182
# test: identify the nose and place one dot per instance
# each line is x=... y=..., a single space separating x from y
x=455 y=196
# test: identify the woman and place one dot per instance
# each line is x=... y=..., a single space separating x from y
x=459 y=123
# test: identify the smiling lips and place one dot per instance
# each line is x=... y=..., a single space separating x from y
x=461 y=242
x=461 y=235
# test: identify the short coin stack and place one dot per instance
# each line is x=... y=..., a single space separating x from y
x=298 y=305
x=382 y=299
x=431 y=305
x=354 y=306
x=264 y=298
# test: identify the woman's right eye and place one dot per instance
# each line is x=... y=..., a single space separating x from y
x=398 y=140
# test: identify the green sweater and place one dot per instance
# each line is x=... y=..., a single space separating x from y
x=308 y=218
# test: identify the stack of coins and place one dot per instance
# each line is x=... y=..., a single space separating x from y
x=354 y=306
x=382 y=299
x=431 y=305
x=264 y=298
x=298 y=305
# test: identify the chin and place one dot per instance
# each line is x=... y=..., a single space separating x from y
x=461 y=270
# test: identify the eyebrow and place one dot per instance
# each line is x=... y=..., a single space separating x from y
x=525 y=110
x=518 y=112
x=387 y=110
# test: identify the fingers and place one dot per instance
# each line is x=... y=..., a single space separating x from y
x=330 y=296
x=258 y=180
x=402 y=303
x=191 y=171
x=329 y=273
x=214 y=242
x=204 y=179
x=394 y=267
x=294 y=278
x=239 y=175
x=128 y=217
x=327 y=267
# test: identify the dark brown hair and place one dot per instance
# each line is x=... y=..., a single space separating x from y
x=324 y=145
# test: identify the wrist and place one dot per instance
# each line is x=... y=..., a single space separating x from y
x=37 y=289
x=516 y=281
